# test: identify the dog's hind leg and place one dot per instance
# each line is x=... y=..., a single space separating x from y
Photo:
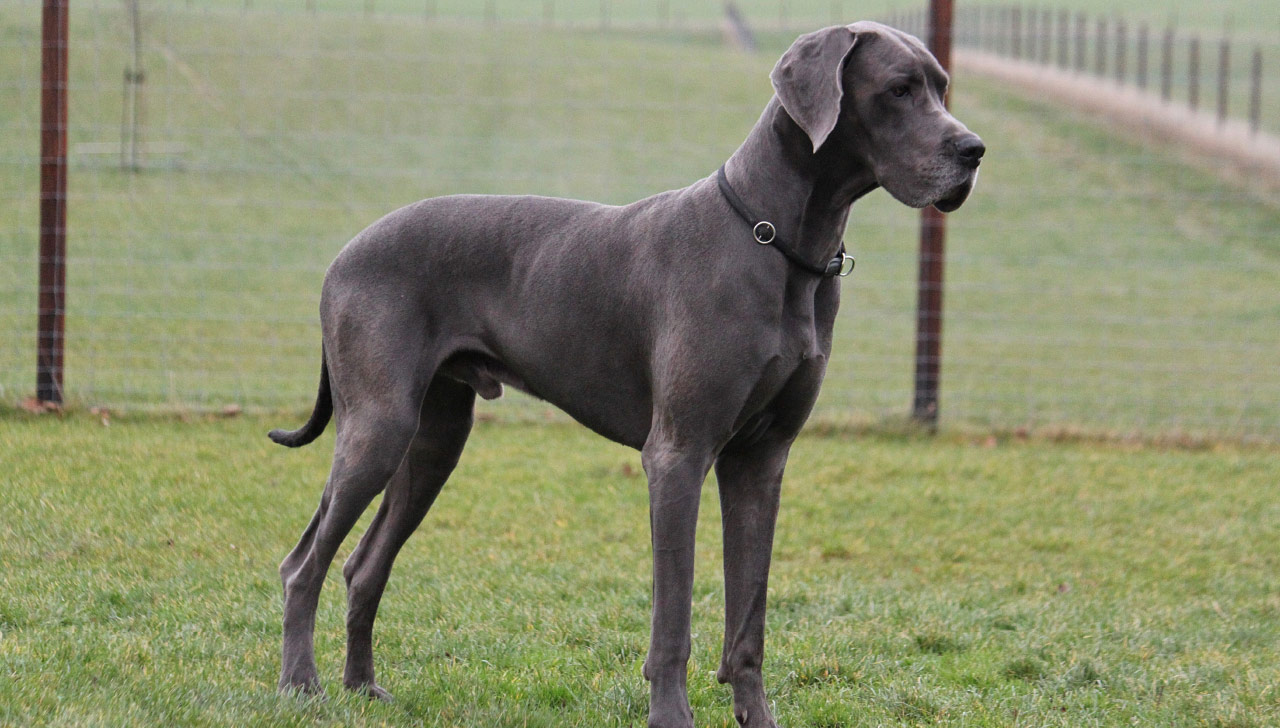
x=371 y=441
x=444 y=424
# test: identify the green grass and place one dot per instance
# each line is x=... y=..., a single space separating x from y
x=1244 y=16
x=916 y=582
x=1092 y=283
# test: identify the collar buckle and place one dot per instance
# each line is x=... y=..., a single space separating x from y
x=847 y=264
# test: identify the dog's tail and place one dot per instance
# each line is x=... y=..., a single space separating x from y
x=319 y=416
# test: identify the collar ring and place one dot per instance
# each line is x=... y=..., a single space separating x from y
x=764 y=232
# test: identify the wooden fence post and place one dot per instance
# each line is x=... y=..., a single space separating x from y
x=1064 y=34
x=1032 y=34
x=1255 y=94
x=1015 y=32
x=1144 y=40
x=52 y=292
x=1122 y=48
x=928 y=365
x=1224 y=79
x=1100 y=62
x=1046 y=35
x=1193 y=75
x=1081 y=40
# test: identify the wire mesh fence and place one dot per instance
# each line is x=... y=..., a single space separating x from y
x=1224 y=72
x=1091 y=284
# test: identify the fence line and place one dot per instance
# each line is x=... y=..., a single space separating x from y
x=194 y=280
x=1032 y=34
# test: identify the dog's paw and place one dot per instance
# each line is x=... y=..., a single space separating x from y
x=371 y=691
x=305 y=688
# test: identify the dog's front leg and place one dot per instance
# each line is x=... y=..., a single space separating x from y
x=750 y=482
x=675 y=483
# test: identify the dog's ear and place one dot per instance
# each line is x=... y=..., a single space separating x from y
x=808 y=82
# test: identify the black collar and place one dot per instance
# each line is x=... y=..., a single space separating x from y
x=766 y=234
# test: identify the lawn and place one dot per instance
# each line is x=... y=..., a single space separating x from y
x=951 y=581
x=1245 y=17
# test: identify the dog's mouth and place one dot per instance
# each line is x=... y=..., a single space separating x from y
x=958 y=194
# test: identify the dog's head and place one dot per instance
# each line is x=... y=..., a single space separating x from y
x=877 y=93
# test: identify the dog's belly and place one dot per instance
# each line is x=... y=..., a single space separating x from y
x=613 y=403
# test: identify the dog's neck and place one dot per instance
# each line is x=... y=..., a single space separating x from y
x=806 y=194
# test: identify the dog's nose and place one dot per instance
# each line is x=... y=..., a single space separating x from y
x=969 y=149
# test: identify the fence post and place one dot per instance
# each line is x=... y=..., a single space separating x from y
x=933 y=230
x=1193 y=75
x=994 y=28
x=131 y=103
x=1166 y=66
x=51 y=308
x=1015 y=32
x=1144 y=40
x=1122 y=48
x=1046 y=35
x=1255 y=94
x=1064 y=35
x=1224 y=79
x=991 y=28
x=1100 y=68
x=1032 y=34
x=1081 y=40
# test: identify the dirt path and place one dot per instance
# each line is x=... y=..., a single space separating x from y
x=1231 y=148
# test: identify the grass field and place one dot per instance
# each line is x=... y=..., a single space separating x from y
x=1092 y=284
x=1245 y=17
x=944 y=582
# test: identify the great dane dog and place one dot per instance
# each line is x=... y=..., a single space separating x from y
x=694 y=325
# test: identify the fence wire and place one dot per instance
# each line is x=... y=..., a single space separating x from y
x=1091 y=284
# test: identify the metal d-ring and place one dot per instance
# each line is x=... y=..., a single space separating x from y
x=846 y=264
x=764 y=232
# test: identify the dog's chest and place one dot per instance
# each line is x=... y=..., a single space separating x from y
x=799 y=346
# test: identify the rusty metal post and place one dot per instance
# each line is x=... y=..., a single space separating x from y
x=1193 y=75
x=1255 y=94
x=1224 y=79
x=1032 y=34
x=1144 y=51
x=1064 y=43
x=1015 y=32
x=1046 y=35
x=1100 y=66
x=1122 y=48
x=1081 y=41
x=933 y=231
x=51 y=322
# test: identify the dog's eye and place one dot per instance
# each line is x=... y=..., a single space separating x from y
x=900 y=90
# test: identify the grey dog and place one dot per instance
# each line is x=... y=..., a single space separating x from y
x=694 y=325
